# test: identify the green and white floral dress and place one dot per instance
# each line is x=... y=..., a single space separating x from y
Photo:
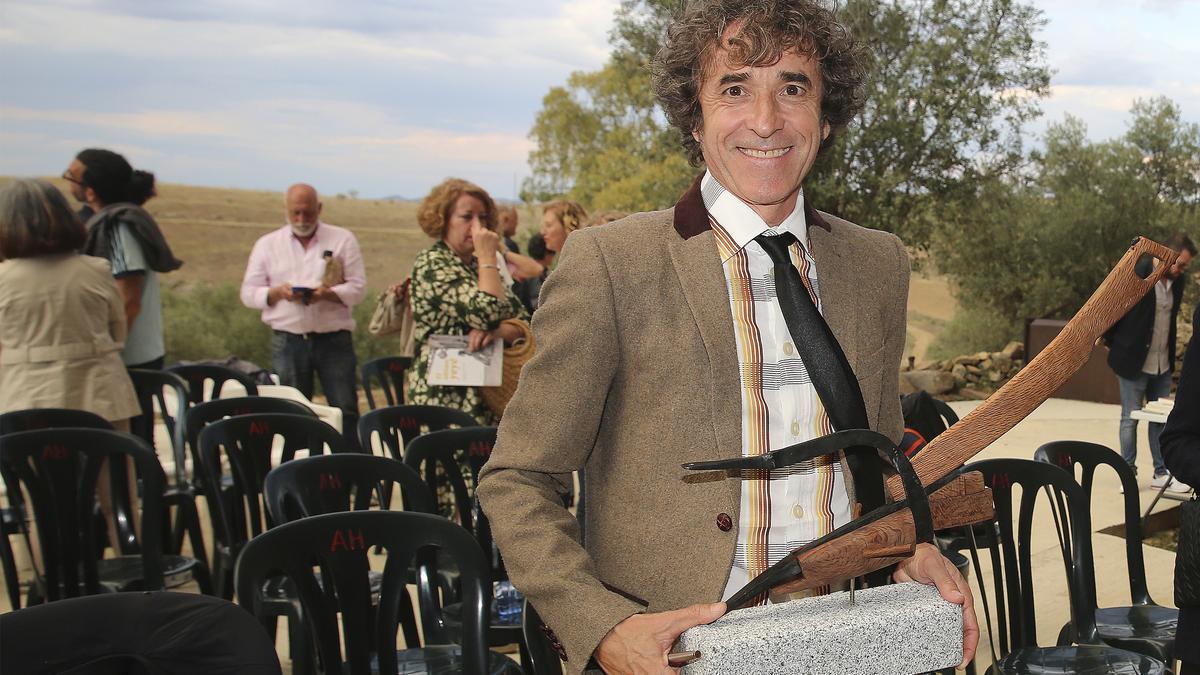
x=446 y=300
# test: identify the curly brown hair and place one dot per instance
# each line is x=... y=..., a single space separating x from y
x=768 y=28
x=434 y=211
x=570 y=214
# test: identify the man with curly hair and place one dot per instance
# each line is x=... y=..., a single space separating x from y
x=663 y=338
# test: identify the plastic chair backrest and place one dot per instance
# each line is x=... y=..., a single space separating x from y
x=451 y=450
x=1012 y=555
x=203 y=414
x=312 y=486
x=1069 y=454
x=397 y=425
x=388 y=373
x=196 y=374
x=150 y=386
x=59 y=469
x=247 y=441
x=337 y=544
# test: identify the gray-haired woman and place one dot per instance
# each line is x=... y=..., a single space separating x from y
x=62 y=322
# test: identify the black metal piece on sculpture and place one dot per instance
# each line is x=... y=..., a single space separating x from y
x=916 y=497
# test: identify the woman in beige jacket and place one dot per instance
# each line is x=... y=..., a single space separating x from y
x=62 y=322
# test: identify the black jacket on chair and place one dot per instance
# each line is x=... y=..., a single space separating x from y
x=1129 y=339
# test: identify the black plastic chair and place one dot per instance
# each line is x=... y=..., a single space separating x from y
x=388 y=374
x=1016 y=626
x=1143 y=627
x=13 y=515
x=197 y=374
x=338 y=544
x=312 y=486
x=396 y=426
x=450 y=461
x=203 y=414
x=239 y=511
x=59 y=469
x=151 y=387
x=136 y=634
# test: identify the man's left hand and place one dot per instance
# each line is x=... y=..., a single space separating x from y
x=325 y=293
x=928 y=566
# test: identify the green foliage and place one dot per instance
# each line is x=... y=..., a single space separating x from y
x=209 y=321
x=1039 y=247
x=972 y=330
x=953 y=82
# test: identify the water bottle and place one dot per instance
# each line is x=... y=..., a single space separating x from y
x=506 y=605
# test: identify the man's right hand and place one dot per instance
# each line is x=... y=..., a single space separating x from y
x=640 y=643
x=280 y=292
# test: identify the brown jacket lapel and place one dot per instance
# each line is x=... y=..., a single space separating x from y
x=694 y=256
x=839 y=302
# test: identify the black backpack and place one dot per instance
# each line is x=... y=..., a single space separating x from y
x=924 y=418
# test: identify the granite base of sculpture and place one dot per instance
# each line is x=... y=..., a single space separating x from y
x=892 y=630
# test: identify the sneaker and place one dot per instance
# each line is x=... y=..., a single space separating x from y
x=1178 y=487
x=1160 y=480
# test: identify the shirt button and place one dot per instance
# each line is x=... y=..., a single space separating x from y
x=787 y=348
x=724 y=522
x=798 y=512
x=795 y=428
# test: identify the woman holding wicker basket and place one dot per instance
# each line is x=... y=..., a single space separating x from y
x=458 y=289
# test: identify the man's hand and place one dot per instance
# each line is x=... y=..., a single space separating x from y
x=930 y=567
x=326 y=294
x=280 y=292
x=640 y=644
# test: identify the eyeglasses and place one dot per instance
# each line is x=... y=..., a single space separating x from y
x=71 y=179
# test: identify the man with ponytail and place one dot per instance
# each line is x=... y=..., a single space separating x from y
x=123 y=233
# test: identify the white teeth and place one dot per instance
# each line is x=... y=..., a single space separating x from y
x=765 y=154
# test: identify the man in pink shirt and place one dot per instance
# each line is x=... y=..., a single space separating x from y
x=309 y=310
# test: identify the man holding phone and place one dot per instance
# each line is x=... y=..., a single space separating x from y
x=305 y=277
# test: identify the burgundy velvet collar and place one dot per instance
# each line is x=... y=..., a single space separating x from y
x=691 y=218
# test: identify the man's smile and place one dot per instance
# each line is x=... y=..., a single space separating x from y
x=765 y=154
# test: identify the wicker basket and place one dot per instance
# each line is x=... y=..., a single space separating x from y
x=515 y=357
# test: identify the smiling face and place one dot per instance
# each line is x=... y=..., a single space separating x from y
x=468 y=213
x=762 y=128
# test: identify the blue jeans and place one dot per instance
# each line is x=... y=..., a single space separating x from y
x=1134 y=394
x=295 y=358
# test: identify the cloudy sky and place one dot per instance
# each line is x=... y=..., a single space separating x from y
x=387 y=97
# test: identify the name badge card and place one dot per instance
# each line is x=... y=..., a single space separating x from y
x=450 y=364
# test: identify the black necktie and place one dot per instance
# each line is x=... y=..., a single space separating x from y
x=827 y=366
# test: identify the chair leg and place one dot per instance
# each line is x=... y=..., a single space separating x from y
x=300 y=643
x=11 y=583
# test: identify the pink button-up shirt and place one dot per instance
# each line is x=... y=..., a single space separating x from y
x=279 y=258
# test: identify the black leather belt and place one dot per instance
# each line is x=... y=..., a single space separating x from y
x=311 y=336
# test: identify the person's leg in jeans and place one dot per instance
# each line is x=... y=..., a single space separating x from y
x=1158 y=386
x=291 y=359
x=1133 y=392
x=337 y=366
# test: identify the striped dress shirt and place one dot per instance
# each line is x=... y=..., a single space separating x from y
x=780 y=407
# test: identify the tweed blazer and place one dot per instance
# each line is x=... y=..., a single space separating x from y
x=637 y=372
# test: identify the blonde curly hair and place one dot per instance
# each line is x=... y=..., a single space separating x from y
x=570 y=214
x=434 y=211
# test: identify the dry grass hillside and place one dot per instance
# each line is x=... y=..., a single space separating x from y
x=213 y=230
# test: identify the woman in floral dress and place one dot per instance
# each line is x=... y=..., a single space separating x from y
x=457 y=288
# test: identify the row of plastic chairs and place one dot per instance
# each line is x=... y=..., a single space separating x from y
x=1138 y=638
